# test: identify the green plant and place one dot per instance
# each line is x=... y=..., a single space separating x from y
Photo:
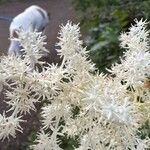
x=103 y=20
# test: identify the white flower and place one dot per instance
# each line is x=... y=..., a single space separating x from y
x=135 y=64
x=9 y=126
x=33 y=46
x=117 y=113
x=21 y=98
x=69 y=40
x=137 y=37
x=53 y=112
x=109 y=109
x=44 y=142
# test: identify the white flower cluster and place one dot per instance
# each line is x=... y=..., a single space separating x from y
x=104 y=111
x=135 y=65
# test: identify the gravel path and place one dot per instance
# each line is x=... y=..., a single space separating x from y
x=61 y=11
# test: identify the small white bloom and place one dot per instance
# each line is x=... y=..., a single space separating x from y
x=69 y=40
x=9 y=126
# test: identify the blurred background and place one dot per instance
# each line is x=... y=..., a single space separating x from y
x=101 y=23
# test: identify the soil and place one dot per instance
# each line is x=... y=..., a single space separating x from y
x=61 y=11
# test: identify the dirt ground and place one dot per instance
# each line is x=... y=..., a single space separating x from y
x=61 y=11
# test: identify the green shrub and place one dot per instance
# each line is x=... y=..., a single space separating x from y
x=103 y=20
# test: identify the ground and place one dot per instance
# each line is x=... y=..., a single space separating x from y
x=61 y=11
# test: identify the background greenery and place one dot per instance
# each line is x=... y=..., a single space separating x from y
x=103 y=20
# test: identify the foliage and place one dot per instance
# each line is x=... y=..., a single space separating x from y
x=110 y=108
x=103 y=20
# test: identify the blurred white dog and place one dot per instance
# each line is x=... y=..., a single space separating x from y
x=33 y=18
